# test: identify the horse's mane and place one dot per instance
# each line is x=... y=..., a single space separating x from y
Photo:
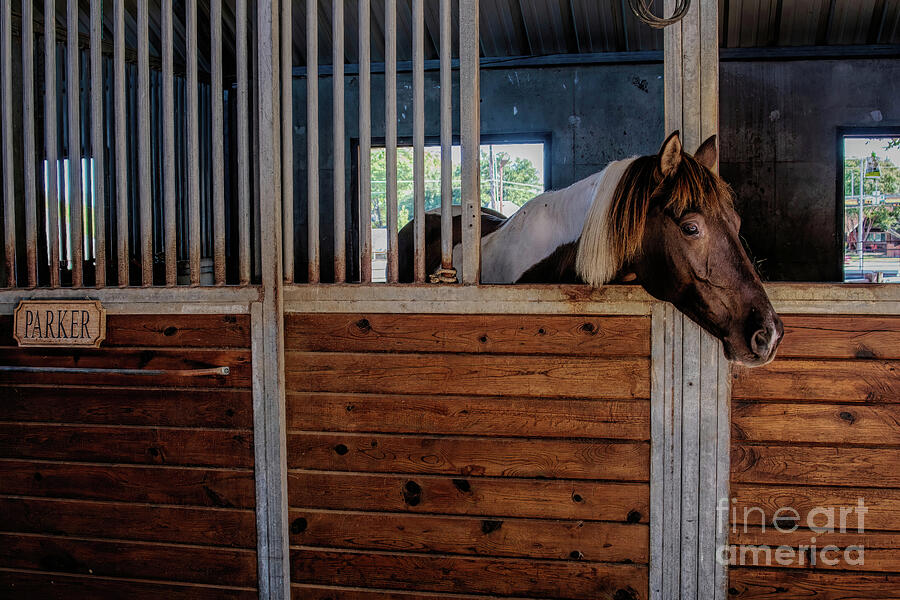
x=614 y=227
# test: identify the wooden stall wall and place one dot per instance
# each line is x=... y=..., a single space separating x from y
x=473 y=455
x=123 y=486
x=816 y=431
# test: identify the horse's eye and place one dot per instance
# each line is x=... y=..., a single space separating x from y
x=690 y=229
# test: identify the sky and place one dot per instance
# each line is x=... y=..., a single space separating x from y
x=860 y=147
x=530 y=152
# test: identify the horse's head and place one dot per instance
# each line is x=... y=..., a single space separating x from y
x=687 y=250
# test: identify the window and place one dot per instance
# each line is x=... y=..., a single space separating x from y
x=511 y=175
x=871 y=207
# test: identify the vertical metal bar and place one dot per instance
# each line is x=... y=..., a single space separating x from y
x=193 y=122
x=73 y=87
x=287 y=138
x=446 y=139
x=470 y=121
x=121 y=145
x=365 y=144
x=28 y=134
x=312 y=137
x=168 y=93
x=218 y=141
x=9 y=198
x=243 y=118
x=50 y=141
x=145 y=199
x=418 y=52
x=97 y=142
x=340 y=195
x=390 y=134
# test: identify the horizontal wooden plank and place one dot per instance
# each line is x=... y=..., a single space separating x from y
x=865 y=551
x=115 y=358
x=793 y=584
x=118 y=520
x=830 y=380
x=755 y=535
x=318 y=592
x=825 y=558
x=531 y=417
x=220 y=488
x=542 y=579
x=57 y=586
x=843 y=336
x=170 y=330
x=139 y=560
x=587 y=500
x=757 y=505
x=156 y=446
x=231 y=409
x=567 y=459
x=508 y=334
x=817 y=465
x=814 y=423
x=572 y=540
x=485 y=375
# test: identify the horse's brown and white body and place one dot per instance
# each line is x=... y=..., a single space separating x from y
x=665 y=222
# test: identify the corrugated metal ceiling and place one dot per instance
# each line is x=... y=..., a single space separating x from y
x=551 y=27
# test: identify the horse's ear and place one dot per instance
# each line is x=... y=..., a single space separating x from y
x=708 y=152
x=670 y=155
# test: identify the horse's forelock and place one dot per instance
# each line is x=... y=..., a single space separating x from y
x=613 y=233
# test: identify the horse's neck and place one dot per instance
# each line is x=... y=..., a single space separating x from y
x=541 y=226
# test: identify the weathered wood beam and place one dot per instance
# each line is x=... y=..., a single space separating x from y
x=691 y=377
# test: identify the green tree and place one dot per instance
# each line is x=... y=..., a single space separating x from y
x=879 y=216
x=520 y=177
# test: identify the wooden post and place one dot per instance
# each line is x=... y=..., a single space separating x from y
x=470 y=130
x=691 y=377
x=269 y=433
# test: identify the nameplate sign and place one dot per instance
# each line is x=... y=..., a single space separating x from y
x=60 y=323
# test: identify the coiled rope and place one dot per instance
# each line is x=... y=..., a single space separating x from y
x=641 y=9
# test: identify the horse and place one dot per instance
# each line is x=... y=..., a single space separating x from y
x=665 y=221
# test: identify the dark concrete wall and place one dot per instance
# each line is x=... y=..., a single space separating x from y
x=778 y=122
x=778 y=127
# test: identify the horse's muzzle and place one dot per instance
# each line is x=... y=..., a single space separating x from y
x=764 y=336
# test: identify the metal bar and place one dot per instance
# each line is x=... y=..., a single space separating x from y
x=312 y=138
x=168 y=92
x=287 y=138
x=121 y=145
x=243 y=162
x=84 y=111
x=365 y=143
x=193 y=121
x=144 y=187
x=390 y=134
x=99 y=152
x=146 y=372
x=73 y=88
x=418 y=53
x=339 y=188
x=446 y=139
x=50 y=141
x=470 y=121
x=218 y=143
x=9 y=197
x=28 y=134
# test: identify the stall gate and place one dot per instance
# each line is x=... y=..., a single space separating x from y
x=368 y=441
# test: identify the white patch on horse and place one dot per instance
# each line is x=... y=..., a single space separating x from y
x=594 y=262
x=549 y=221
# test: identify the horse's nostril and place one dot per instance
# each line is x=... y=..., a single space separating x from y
x=759 y=343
